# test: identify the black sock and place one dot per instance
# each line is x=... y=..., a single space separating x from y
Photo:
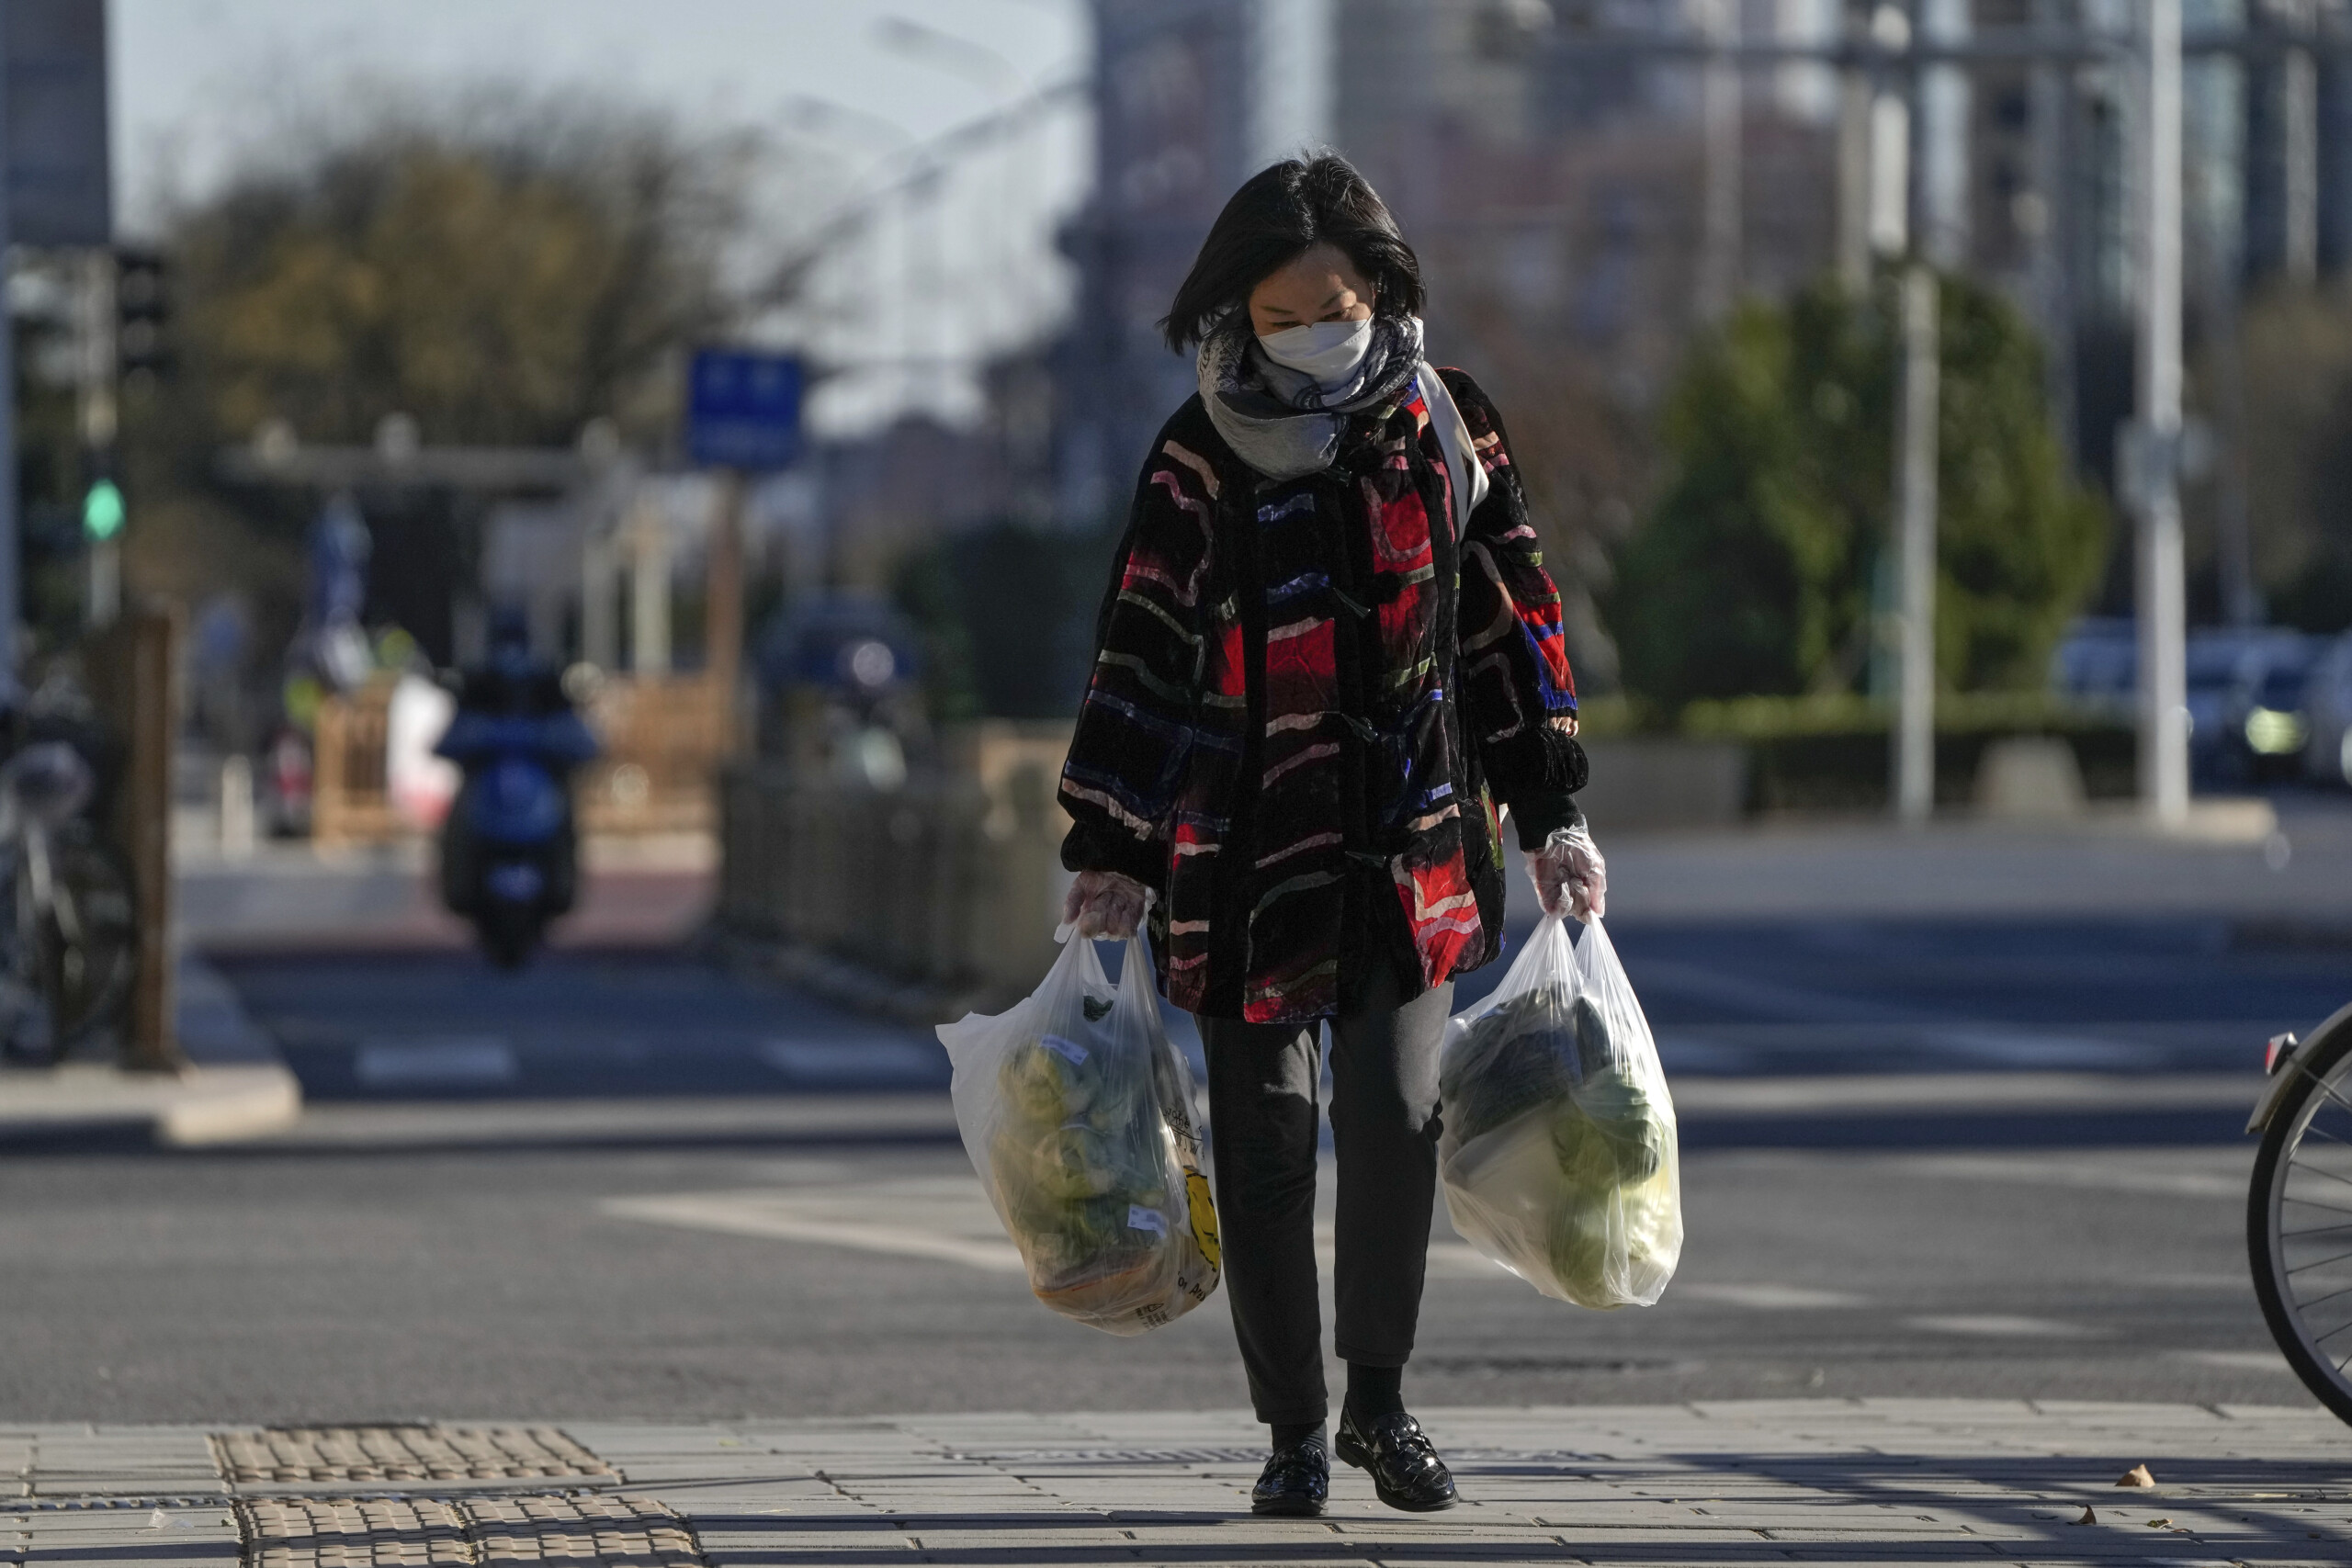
x=1376 y=1391
x=1289 y=1432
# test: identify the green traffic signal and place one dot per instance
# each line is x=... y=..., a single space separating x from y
x=102 y=511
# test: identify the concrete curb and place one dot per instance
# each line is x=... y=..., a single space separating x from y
x=233 y=1088
x=189 y=1108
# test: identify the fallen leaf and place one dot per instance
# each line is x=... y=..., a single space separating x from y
x=2089 y=1517
x=2159 y=1524
x=2136 y=1476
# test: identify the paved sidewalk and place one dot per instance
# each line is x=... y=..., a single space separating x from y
x=1871 y=1481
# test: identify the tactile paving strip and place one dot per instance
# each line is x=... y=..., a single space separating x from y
x=473 y=1532
x=401 y=1453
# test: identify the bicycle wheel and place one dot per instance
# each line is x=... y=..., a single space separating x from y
x=89 y=944
x=2298 y=1221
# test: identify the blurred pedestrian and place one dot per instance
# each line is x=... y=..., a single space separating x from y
x=1328 y=654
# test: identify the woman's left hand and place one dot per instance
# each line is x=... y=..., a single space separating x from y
x=1570 y=876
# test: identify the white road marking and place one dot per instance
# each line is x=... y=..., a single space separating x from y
x=2023 y=1048
x=781 y=1217
x=2237 y=1360
x=851 y=1060
x=943 y=1220
x=430 y=1060
x=1764 y=1297
x=1949 y=1093
x=2114 y=1173
x=1996 y=1325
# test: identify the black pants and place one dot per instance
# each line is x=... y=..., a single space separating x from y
x=1384 y=1127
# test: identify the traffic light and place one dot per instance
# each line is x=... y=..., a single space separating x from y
x=102 y=512
x=143 y=311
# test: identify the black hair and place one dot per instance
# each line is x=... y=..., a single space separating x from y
x=1278 y=214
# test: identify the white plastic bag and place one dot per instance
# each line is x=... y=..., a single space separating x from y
x=1078 y=1115
x=1559 y=1153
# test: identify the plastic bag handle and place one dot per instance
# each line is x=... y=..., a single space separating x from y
x=1066 y=930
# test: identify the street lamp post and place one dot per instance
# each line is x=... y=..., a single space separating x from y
x=8 y=588
x=2154 y=451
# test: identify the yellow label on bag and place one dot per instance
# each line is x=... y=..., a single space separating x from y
x=1196 y=1194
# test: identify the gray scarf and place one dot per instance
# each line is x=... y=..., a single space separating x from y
x=1286 y=425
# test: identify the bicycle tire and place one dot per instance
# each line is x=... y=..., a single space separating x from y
x=2268 y=1198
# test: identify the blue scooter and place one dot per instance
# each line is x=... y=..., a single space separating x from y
x=510 y=850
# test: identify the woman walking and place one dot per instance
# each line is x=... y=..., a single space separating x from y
x=1329 y=655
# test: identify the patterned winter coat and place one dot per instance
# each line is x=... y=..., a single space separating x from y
x=1308 y=698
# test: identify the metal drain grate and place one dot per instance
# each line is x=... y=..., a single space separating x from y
x=470 y=1532
x=401 y=1453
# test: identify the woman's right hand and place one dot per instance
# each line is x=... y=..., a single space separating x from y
x=1570 y=876
x=1104 y=904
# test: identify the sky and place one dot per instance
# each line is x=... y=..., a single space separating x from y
x=200 y=86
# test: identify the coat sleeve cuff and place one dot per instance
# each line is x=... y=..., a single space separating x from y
x=1537 y=815
x=1539 y=759
x=1537 y=774
x=1090 y=847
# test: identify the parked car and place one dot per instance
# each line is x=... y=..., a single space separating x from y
x=2327 y=714
x=2264 y=722
x=2096 y=664
x=2099 y=665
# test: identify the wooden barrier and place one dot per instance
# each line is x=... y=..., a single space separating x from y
x=663 y=740
x=349 y=801
x=664 y=737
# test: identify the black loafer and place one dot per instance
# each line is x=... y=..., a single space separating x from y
x=1296 y=1483
x=1404 y=1469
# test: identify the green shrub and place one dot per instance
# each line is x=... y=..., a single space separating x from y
x=1753 y=572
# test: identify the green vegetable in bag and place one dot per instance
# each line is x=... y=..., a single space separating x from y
x=1077 y=1113
x=1511 y=1059
x=1609 y=1168
x=1050 y=1080
x=1078 y=1161
x=1612 y=1113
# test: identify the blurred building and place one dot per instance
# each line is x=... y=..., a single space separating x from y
x=1587 y=185
x=1558 y=196
x=1177 y=118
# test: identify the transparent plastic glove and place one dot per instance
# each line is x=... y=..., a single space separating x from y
x=1104 y=904
x=1570 y=876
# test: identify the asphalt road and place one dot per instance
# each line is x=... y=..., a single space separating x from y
x=1974 y=1156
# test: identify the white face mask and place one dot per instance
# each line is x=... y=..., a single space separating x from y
x=1329 y=351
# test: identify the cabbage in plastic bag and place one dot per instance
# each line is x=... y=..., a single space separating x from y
x=1559 y=1153
x=1077 y=1113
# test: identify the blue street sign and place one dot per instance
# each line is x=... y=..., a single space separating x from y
x=53 y=121
x=743 y=409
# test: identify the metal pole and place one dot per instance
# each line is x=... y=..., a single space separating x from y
x=1915 y=727
x=1854 y=177
x=1720 y=115
x=1944 y=92
x=8 y=589
x=600 y=639
x=2299 y=123
x=723 y=607
x=648 y=536
x=2164 y=690
x=1897 y=187
x=2052 y=107
x=99 y=415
